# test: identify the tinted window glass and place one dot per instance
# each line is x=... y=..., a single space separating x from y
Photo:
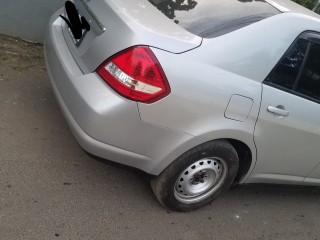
x=309 y=83
x=205 y=17
x=286 y=72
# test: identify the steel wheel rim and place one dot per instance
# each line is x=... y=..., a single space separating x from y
x=200 y=180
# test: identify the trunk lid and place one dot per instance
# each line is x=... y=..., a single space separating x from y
x=118 y=24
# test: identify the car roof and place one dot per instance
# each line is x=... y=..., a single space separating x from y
x=290 y=6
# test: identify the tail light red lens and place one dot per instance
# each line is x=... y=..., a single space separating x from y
x=136 y=74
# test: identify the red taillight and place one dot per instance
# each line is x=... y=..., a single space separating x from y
x=136 y=74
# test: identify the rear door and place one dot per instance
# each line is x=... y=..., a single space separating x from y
x=287 y=133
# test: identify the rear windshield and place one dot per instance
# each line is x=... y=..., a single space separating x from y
x=212 y=18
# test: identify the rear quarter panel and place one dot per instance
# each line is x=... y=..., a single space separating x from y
x=203 y=80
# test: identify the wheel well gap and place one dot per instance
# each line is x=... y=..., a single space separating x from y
x=245 y=158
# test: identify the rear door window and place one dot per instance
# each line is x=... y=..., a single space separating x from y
x=286 y=73
x=298 y=71
x=309 y=83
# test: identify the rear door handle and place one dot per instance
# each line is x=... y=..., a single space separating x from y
x=278 y=110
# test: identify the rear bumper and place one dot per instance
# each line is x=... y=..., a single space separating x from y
x=104 y=123
x=63 y=74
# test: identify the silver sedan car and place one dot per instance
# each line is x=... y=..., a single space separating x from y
x=200 y=94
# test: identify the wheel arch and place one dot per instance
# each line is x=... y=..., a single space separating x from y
x=245 y=158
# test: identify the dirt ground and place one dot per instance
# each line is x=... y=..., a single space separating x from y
x=19 y=55
x=51 y=189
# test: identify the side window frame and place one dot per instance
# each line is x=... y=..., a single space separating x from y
x=312 y=38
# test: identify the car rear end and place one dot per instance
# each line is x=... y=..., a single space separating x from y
x=98 y=100
x=115 y=93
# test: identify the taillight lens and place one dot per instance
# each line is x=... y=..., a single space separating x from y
x=136 y=74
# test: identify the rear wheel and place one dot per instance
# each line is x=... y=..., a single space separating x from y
x=197 y=177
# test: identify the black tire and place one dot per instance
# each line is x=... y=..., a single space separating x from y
x=166 y=185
